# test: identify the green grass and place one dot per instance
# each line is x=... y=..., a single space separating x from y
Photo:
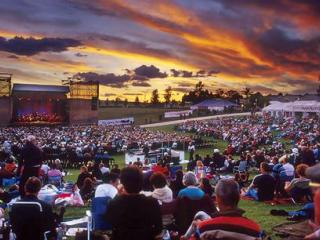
x=259 y=212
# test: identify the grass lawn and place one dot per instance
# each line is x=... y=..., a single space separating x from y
x=254 y=210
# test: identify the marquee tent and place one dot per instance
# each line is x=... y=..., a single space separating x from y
x=278 y=108
x=214 y=104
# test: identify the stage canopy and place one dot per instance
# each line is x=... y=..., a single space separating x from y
x=214 y=104
x=17 y=87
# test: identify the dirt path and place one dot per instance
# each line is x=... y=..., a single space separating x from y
x=193 y=119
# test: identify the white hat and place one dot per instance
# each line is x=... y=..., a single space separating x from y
x=216 y=150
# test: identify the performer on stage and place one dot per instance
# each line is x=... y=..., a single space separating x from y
x=30 y=162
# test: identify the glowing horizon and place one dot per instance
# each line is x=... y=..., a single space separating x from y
x=132 y=47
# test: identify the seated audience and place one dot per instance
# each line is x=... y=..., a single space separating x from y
x=191 y=191
x=109 y=186
x=299 y=188
x=286 y=174
x=161 y=191
x=263 y=185
x=206 y=186
x=82 y=176
x=58 y=164
x=200 y=170
x=116 y=169
x=48 y=223
x=229 y=222
x=87 y=189
x=10 y=165
x=177 y=184
x=103 y=168
x=134 y=216
x=54 y=171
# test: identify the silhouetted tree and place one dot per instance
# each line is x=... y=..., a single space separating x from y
x=117 y=100
x=219 y=93
x=137 y=101
x=155 y=97
x=233 y=96
x=197 y=95
x=246 y=92
x=168 y=94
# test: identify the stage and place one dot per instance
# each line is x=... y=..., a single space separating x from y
x=47 y=105
x=39 y=105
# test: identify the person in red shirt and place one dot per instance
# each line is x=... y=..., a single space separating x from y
x=229 y=222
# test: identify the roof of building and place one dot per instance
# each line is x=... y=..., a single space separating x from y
x=293 y=97
x=215 y=103
x=18 y=87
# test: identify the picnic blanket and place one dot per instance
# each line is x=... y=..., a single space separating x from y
x=293 y=231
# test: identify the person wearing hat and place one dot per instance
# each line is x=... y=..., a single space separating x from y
x=217 y=159
x=313 y=173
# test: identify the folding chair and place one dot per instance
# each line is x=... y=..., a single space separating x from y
x=98 y=209
x=26 y=220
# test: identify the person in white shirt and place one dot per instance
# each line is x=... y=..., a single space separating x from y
x=109 y=187
x=45 y=168
x=161 y=190
x=103 y=169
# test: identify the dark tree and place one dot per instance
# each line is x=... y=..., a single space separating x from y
x=155 y=97
x=168 y=94
x=137 y=101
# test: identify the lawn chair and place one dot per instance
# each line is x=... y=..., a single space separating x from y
x=8 y=182
x=98 y=209
x=26 y=219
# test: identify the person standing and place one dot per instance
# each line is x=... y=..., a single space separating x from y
x=30 y=162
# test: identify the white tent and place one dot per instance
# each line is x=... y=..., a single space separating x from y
x=289 y=108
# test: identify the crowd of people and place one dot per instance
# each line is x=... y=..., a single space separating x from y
x=75 y=145
x=161 y=201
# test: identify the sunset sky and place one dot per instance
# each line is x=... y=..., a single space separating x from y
x=132 y=47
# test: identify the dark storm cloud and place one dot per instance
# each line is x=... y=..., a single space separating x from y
x=190 y=74
x=13 y=57
x=109 y=79
x=213 y=72
x=289 y=52
x=149 y=72
x=186 y=74
x=138 y=77
x=80 y=55
x=32 y=46
x=141 y=84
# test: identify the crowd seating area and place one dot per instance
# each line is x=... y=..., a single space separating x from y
x=268 y=160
